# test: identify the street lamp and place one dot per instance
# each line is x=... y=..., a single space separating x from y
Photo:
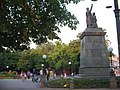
x=42 y=65
x=7 y=68
x=93 y=0
x=42 y=84
x=70 y=66
x=110 y=49
x=117 y=25
x=116 y=11
x=44 y=57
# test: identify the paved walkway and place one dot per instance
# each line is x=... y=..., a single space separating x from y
x=17 y=84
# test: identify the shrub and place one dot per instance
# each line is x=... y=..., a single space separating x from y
x=9 y=74
x=81 y=83
x=91 y=83
x=59 y=83
x=118 y=82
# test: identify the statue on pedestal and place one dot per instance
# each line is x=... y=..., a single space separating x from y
x=91 y=19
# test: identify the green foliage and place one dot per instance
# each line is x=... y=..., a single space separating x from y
x=118 y=82
x=4 y=76
x=91 y=83
x=57 y=83
x=81 y=83
x=38 y=20
x=62 y=54
x=9 y=59
x=10 y=74
x=58 y=57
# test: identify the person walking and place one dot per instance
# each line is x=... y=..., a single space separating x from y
x=47 y=73
x=33 y=75
x=54 y=74
x=22 y=76
x=41 y=75
x=28 y=74
x=51 y=74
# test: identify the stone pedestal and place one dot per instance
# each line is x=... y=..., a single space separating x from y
x=94 y=59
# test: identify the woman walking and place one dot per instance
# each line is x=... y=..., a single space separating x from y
x=22 y=76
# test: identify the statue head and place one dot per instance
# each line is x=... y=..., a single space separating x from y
x=87 y=9
x=93 y=13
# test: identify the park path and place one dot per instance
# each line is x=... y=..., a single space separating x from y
x=17 y=84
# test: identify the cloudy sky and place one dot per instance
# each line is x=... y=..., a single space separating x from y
x=105 y=20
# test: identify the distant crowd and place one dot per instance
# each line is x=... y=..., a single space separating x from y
x=45 y=74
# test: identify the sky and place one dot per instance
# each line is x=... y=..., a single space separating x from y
x=105 y=20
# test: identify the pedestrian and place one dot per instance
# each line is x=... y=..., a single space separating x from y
x=22 y=76
x=51 y=74
x=28 y=74
x=54 y=74
x=35 y=78
x=16 y=75
x=41 y=75
x=33 y=75
x=48 y=73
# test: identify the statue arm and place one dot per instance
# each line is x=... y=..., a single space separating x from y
x=91 y=7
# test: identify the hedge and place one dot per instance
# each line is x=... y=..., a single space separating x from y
x=81 y=83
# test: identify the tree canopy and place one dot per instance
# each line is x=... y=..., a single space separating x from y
x=38 y=20
x=58 y=57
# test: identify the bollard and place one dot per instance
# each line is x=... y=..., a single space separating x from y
x=71 y=87
x=42 y=83
x=113 y=83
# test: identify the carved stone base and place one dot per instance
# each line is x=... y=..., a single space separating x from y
x=94 y=59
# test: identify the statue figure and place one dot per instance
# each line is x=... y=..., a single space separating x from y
x=88 y=16
x=93 y=20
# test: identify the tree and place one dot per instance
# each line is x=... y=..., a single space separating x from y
x=58 y=56
x=73 y=51
x=32 y=58
x=62 y=54
x=9 y=59
x=38 y=20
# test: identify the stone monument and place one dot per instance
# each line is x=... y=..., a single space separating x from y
x=94 y=61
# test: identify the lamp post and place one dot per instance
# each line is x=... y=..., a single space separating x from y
x=42 y=84
x=117 y=12
x=7 y=68
x=42 y=65
x=70 y=66
x=110 y=49
x=44 y=57
x=93 y=0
